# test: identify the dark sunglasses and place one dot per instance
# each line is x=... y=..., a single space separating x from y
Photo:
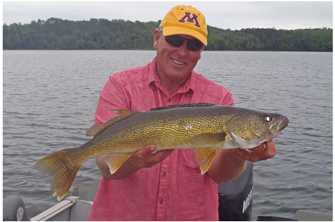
x=177 y=41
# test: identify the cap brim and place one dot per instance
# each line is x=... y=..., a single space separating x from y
x=174 y=30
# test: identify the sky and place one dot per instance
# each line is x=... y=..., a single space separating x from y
x=221 y=14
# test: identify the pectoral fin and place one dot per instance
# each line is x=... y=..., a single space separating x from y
x=205 y=157
x=114 y=161
x=208 y=139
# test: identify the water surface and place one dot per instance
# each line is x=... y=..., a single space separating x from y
x=49 y=100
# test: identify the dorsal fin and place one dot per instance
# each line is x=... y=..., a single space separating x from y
x=182 y=105
x=120 y=115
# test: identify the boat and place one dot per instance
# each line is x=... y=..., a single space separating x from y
x=235 y=204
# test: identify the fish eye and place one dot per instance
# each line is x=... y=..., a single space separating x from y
x=268 y=119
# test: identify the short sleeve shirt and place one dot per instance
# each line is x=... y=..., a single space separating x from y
x=174 y=189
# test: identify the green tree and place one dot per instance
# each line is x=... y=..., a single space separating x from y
x=55 y=33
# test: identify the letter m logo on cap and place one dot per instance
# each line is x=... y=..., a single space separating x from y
x=190 y=19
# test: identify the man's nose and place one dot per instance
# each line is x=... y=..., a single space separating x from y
x=182 y=50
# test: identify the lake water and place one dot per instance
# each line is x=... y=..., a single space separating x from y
x=49 y=101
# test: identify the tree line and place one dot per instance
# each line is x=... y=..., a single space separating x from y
x=55 y=33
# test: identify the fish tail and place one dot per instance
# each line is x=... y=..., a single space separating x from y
x=63 y=168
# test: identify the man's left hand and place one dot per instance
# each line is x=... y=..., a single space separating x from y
x=262 y=152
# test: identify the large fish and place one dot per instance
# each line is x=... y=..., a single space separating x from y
x=204 y=127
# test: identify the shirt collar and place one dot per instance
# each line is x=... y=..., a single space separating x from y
x=155 y=82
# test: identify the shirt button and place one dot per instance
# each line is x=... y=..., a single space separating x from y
x=169 y=100
x=161 y=201
x=164 y=174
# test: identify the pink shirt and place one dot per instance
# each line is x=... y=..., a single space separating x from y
x=173 y=189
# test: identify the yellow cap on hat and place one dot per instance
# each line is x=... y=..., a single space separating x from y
x=185 y=20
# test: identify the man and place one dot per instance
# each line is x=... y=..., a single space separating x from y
x=167 y=185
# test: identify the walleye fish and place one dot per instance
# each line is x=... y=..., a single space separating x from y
x=203 y=126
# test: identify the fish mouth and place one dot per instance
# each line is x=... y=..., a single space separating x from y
x=277 y=127
x=282 y=123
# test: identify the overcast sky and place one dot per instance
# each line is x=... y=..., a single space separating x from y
x=221 y=14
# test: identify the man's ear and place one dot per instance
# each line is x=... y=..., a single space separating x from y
x=157 y=35
x=201 y=52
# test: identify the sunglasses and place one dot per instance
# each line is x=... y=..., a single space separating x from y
x=177 y=41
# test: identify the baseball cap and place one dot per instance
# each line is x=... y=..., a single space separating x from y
x=185 y=20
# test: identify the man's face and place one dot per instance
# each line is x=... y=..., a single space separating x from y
x=174 y=64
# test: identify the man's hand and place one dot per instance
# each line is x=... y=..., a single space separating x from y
x=230 y=163
x=143 y=158
x=148 y=156
x=262 y=152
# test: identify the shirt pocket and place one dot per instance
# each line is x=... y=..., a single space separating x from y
x=189 y=161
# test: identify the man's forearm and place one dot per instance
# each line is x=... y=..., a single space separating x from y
x=227 y=165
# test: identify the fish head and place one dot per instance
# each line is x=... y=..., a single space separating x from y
x=253 y=128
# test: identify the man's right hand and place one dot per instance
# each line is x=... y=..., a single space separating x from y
x=148 y=156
